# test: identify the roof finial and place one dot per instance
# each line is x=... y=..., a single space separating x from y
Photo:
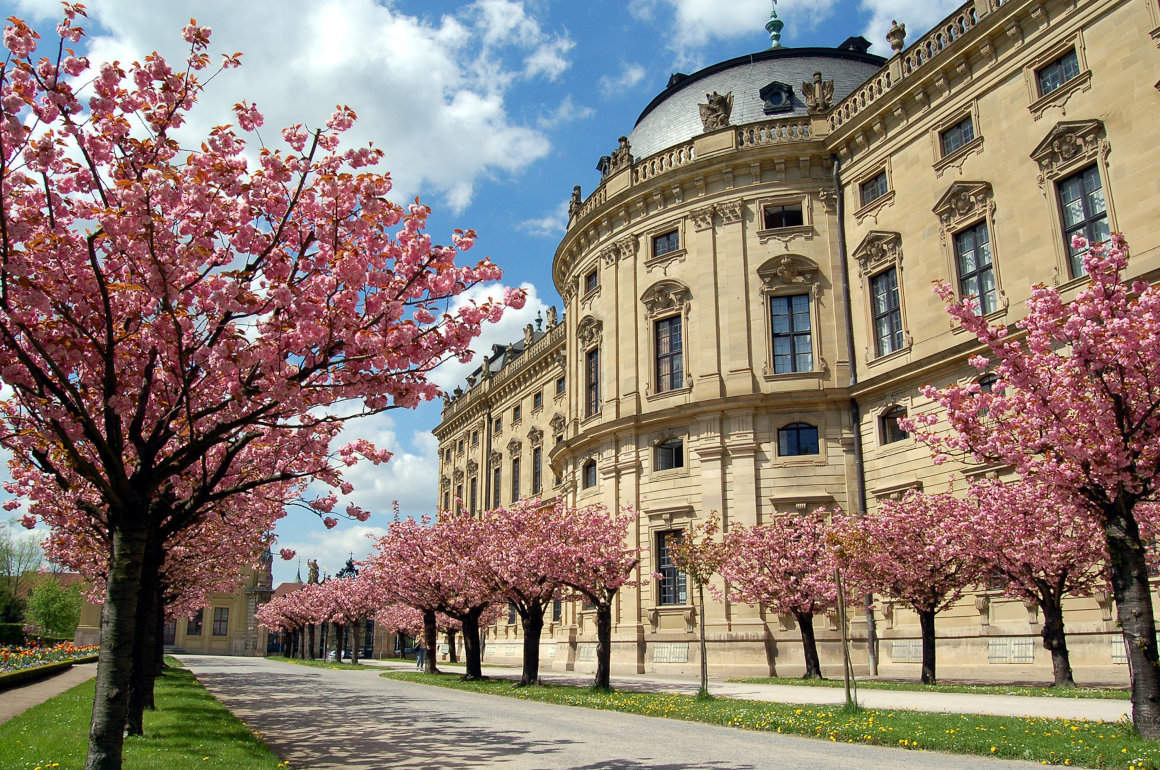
x=773 y=26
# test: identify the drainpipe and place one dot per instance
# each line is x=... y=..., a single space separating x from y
x=855 y=411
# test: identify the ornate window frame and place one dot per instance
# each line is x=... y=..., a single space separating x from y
x=878 y=252
x=677 y=255
x=785 y=234
x=784 y=275
x=956 y=158
x=589 y=334
x=962 y=206
x=1038 y=105
x=872 y=209
x=1069 y=146
x=665 y=299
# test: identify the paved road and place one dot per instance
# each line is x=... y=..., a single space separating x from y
x=321 y=718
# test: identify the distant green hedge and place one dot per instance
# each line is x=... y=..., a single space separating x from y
x=11 y=633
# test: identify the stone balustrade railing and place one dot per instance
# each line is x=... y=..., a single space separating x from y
x=773 y=132
x=655 y=165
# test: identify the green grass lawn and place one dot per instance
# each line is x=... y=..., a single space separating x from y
x=1051 y=741
x=189 y=729
x=321 y=663
x=982 y=689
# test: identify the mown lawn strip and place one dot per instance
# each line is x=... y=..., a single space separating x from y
x=316 y=663
x=189 y=729
x=1051 y=741
x=969 y=689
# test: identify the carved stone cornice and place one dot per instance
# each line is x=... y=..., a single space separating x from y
x=514 y=446
x=445 y=483
x=535 y=437
x=626 y=247
x=495 y=458
x=557 y=423
x=878 y=248
x=666 y=296
x=730 y=211
x=962 y=202
x=788 y=270
x=472 y=467
x=458 y=475
x=1068 y=144
x=703 y=217
x=588 y=331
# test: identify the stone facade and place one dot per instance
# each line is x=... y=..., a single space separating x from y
x=719 y=298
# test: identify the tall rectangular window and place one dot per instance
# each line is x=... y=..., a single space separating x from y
x=459 y=497
x=474 y=495
x=1085 y=212
x=515 y=479
x=193 y=627
x=1057 y=73
x=957 y=135
x=670 y=454
x=496 y=477
x=538 y=400
x=560 y=384
x=537 y=470
x=670 y=368
x=557 y=610
x=671 y=586
x=874 y=188
x=591 y=281
x=887 y=312
x=517 y=413
x=793 y=349
x=221 y=621
x=592 y=382
x=663 y=244
x=976 y=272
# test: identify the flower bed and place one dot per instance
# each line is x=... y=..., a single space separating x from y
x=14 y=658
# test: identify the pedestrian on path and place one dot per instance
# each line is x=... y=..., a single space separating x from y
x=420 y=654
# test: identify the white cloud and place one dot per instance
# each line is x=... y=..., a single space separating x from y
x=698 y=22
x=918 y=18
x=628 y=77
x=433 y=93
x=510 y=328
x=550 y=225
x=567 y=111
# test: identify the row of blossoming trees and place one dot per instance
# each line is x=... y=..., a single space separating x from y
x=187 y=324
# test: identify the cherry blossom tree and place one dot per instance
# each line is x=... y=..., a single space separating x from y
x=521 y=557
x=181 y=325
x=700 y=553
x=909 y=550
x=596 y=561
x=434 y=567
x=1077 y=404
x=351 y=601
x=786 y=566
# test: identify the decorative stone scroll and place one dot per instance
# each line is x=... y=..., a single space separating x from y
x=535 y=437
x=495 y=459
x=961 y=203
x=588 y=331
x=788 y=270
x=472 y=467
x=558 y=422
x=622 y=156
x=730 y=211
x=666 y=296
x=458 y=475
x=819 y=95
x=1069 y=144
x=878 y=249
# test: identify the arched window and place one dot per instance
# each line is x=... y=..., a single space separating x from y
x=888 y=428
x=797 y=439
x=589 y=474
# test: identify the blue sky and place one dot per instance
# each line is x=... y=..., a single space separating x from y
x=490 y=111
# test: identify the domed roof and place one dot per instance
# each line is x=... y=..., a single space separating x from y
x=764 y=85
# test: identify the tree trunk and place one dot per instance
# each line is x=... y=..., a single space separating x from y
x=471 y=652
x=805 y=621
x=431 y=639
x=926 y=621
x=603 y=645
x=1134 y=611
x=451 y=656
x=533 y=621
x=704 y=648
x=1055 y=641
x=339 y=640
x=356 y=633
x=309 y=642
x=115 y=661
x=141 y=679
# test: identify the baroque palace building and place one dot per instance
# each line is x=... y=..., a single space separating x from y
x=748 y=311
